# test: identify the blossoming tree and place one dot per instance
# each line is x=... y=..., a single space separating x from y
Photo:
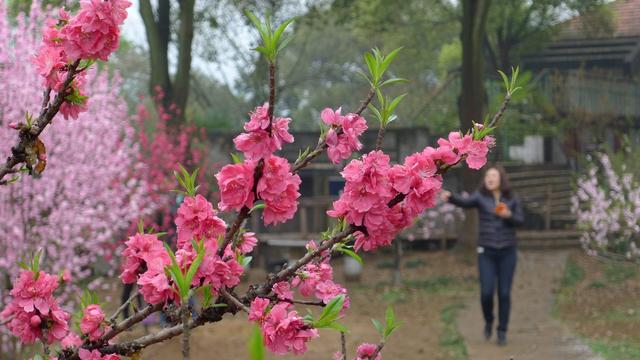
x=380 y=199
x=607 y=206
x=89 y=185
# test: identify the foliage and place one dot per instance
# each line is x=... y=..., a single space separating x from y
x=88 y=186
x=621 y=350
x=607 y=205
x=379 y=200
x=451 y=339
x=573 y=274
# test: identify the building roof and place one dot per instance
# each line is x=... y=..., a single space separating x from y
x=580 y=44
x=626 y=23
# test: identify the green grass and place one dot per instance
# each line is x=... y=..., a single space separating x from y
x=617 y=273
x=415 y=263
x=432 y=285
x=573 y=274
x=628 y=312
x=393 y=296
x=621 y=350
x=451 y=339
x=597 y=285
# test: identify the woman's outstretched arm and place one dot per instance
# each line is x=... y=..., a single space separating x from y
x=466 y=202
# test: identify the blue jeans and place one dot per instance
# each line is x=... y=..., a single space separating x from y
x=496 y=265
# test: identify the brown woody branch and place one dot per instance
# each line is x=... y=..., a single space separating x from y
x=27 y=135
x=113 y=317
x=322 y=143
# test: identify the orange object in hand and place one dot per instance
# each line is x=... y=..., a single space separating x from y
x=500 y=208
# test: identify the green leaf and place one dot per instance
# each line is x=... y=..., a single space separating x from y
x=393 y=81
x=257 y=207
x=375 y=112
x=378 y=327
x=337 y=326
x=391 y=324
x=237 y=158
x=193 y=268
x=141 y=226
x=187 y=180
x=330 y=313
x=371 y=64
x=207 y=296
x=303 y=154
x=256 y=344
x=388 y=59
x=351 y=253
x=75 y=98
x=246 y=260
x=284 y=43
x=278 y=33
x=505 y=80
x=395 y=102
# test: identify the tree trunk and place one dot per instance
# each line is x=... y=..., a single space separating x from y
x=472 y=101
x=185 y=38
x=158 y=31
x=158 y=39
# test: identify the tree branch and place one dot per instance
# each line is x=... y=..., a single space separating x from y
x=27 y=135
x=322 y=143
x=366 y=101
x=185 y=36
x=230 y=297
x=113 y=317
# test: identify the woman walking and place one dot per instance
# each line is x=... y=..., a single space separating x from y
x=499 y=213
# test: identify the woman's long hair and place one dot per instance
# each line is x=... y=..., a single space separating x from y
x=505 y=189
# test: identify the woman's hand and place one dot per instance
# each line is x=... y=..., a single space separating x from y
x=503 y=211
x=445 y=195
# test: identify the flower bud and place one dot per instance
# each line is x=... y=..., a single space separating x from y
x=35 y=320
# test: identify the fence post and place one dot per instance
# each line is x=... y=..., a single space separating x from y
x=547 y=216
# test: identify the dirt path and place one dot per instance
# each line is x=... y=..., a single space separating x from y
x=533 y=333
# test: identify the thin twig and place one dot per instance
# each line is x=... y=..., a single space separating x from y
x=307 y=302
x=127 y=323
x=45 y=345
x=503 y=108
x=115 y=315
x=27 y=135
x=244 y=212
x=343 y=344
x=381 y=132
x=184 y=309
x=227 y=295
x=366 y=101
x=7 y=320
x=377 y=352
x=284 y=274
x=322 y=143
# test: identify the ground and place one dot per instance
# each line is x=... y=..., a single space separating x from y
x=533 y=334
x=565 y=306
x=434 y=285
x=600 y=301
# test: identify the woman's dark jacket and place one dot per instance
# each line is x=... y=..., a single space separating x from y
x=494 y=231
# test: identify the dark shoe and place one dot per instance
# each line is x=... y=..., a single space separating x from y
x=502 y=338
x=487 y=332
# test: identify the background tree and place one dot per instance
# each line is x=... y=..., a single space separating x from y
x=56 y=211
x=157 y=25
